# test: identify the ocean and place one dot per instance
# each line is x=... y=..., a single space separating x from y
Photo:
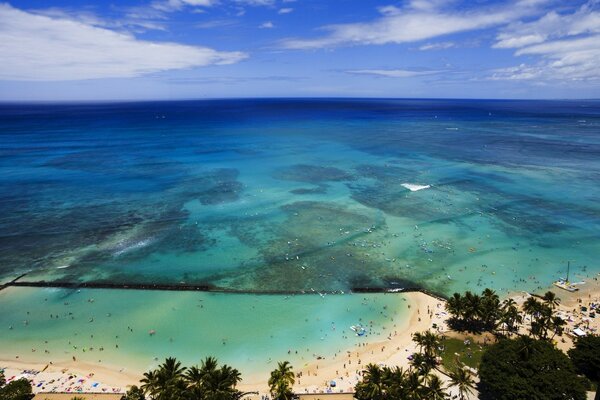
x=289 y=196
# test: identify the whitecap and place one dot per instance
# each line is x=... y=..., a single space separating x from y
x=413 y=187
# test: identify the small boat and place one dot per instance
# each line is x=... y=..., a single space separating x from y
x=564 y=283
x=360 y=331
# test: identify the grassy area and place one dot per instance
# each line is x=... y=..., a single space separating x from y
x=464 y=351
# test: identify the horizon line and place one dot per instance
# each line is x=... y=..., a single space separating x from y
x=193 y=99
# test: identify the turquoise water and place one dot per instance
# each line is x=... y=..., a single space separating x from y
x=249 y=332
x=296 y=196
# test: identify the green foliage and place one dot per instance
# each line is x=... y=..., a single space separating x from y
x=474 y=313
x=416 y=383
x=16 y=390
x=586 y=356
x=544 y=325
x=134 y=393
x=462 y=378
x=171 y=381
x=525 y=368
x=485 y=313
x=385 y=383
x=281 y=382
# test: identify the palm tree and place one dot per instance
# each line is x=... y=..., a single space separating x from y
x=532 y=307
x=510 y=318
x=551 y=300
x=462 y=378
x=557 y=325
x=414 y=386
x=171 y=368
x=210 y=382
x=373 y=384
x=456 y=306
x=150 y=383
x=472 y=303
x=433 y=388
x=281 y=381
x=428 y=343
x=489 y=309
x=422 y=363
x=395 y=381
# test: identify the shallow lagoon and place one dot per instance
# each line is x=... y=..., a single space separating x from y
x=250 y=332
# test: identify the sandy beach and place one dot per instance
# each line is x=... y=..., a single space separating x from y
x=318 y=375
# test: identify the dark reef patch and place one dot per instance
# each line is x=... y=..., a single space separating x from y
x=320 y=189
x=312 y=174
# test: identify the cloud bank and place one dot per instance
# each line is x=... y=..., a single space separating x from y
x=419 y=20
x=43 y=48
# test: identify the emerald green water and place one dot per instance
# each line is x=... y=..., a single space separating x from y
x=249 y=332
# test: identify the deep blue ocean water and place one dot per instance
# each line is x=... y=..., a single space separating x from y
x=302 y=195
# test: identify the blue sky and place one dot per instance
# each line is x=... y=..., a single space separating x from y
x=174 y=49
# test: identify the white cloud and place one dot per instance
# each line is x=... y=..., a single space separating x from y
x=437 y=46
x=420 y=20
x=568 y=46
x=256 y=2
x=175 y=5
x=266 y=25
x=550 y=26
x=393 y=73
x=285 y=10
x=38 y=47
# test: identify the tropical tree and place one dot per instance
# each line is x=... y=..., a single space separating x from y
x=429 y=349
x=586 y=359
x=474 y=313
x=551 y=300
x=510 y=317
x=281 y=382
x=433 y=389
x=19 y=389
x=396 y=383
x=171 y=381
x=373 y=384
x=524 y=369
x=134 y=393
x=489 y=309
x=462 y=379
x=414 y=386
x=428 y=342
x=150 y=383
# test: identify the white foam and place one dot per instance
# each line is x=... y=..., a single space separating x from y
x=126 y=247
x=413 y=187
x=63 y=267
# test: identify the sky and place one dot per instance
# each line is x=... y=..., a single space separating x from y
x=195 y=49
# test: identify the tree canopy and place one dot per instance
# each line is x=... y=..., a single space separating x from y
x=525 y=368
x=16 y=390
x=172 y=381
x=586 y=358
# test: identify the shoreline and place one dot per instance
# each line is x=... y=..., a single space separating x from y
x=316 y=375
